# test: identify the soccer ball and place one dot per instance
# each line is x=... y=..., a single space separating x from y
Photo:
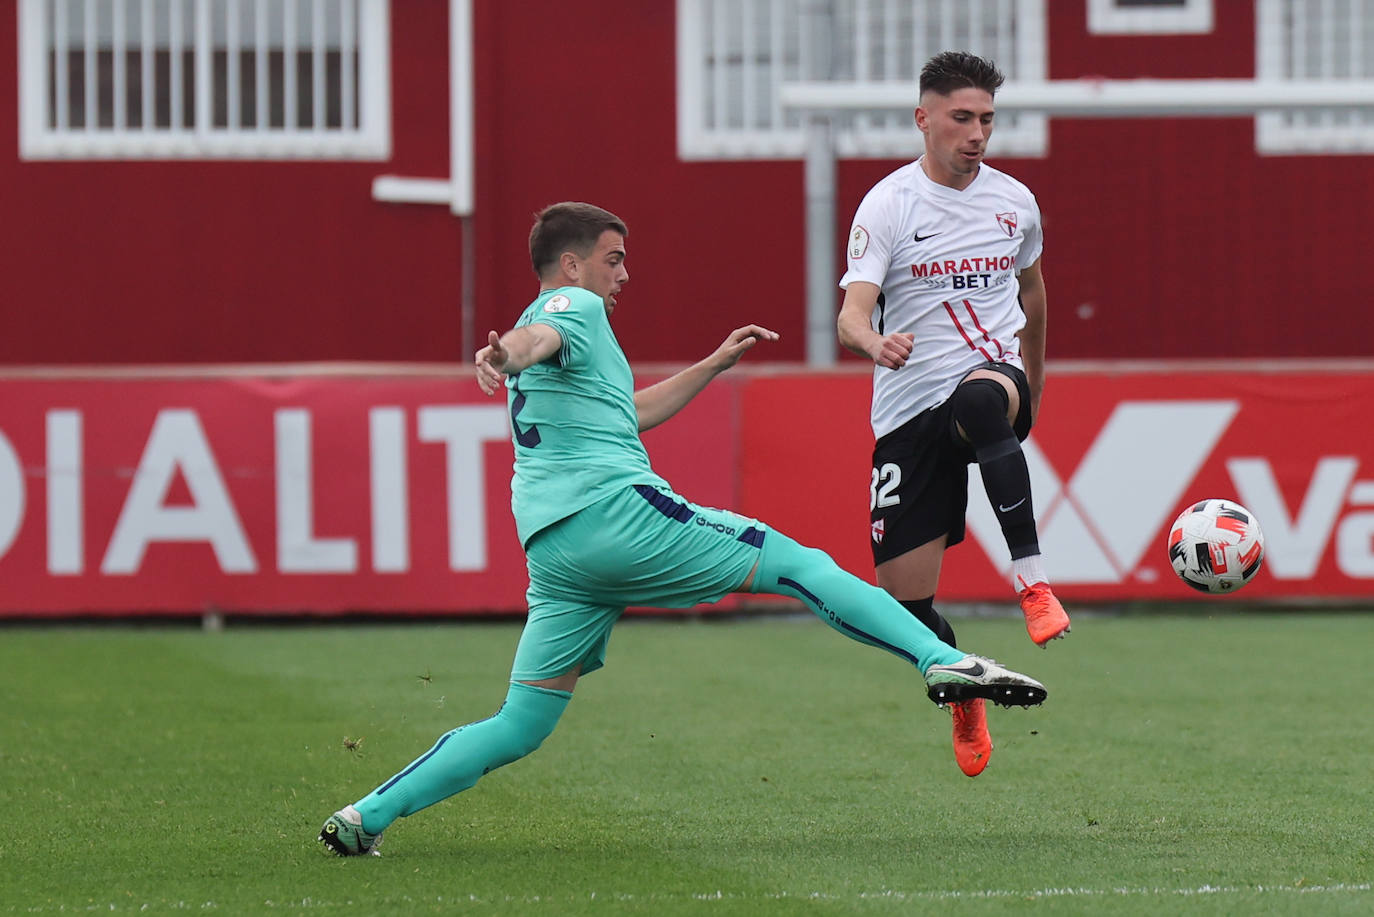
x=1216 y=546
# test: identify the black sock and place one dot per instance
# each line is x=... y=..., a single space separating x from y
x=923 y=610
x=1007 y=481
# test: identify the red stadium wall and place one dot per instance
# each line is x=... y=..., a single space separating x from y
x=1164 y=237
x=331 y=494
x=196 y=262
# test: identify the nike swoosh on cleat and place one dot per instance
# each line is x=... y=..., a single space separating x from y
x=1007 y=509
x=972 y=669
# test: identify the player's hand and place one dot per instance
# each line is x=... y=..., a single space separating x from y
x=489 y=363
x=892 y=350
x=740 y=340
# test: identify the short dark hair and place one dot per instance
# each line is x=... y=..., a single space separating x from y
x=569 y=226
x=951 y=70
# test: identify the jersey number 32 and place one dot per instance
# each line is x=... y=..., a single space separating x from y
x=881 y=490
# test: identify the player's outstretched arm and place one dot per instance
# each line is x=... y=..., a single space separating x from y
x=516 y=350
x=662 y=400
x=855 y=327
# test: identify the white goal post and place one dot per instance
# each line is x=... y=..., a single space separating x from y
x=1085 y=98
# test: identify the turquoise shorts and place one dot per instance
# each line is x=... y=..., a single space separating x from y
x=642 y=546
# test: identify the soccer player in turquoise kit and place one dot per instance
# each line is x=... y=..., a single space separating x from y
x=602 y=531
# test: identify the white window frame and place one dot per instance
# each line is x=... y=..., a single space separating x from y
x=880 y=133
x=368 y=139
x=1191 y=17
x=1305 y=55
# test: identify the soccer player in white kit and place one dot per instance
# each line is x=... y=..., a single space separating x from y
x=944 y=294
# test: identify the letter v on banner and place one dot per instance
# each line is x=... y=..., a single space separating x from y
x=1097 y=528
x=1295 y=541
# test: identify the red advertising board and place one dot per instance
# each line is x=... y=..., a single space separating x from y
x=1114 y=457
x=389 y=493
x=281 y=494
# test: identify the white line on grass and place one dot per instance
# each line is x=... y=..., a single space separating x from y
x=886 y=894
x=1120 y=891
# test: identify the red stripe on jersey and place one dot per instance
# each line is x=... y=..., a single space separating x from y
x=979 y=325
x=968 y=340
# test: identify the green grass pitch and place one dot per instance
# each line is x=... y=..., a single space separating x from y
x=1184 y=763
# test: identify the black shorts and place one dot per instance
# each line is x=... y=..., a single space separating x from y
x=919 y=488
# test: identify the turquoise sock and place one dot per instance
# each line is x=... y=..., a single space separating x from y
x=858 y=610
x=463 y=755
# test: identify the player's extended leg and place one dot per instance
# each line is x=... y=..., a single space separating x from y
x=869 y=615
x=980 y=406
x=456 y=762
x=561 y=641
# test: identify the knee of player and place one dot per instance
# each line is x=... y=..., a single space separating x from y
x=980 y=398
x=527 y=733
x=786 y=559
x=980 y=409
x=528 y=744
x=804 y=559
x=518 y=736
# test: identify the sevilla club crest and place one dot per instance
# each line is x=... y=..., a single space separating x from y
x=1008 y=223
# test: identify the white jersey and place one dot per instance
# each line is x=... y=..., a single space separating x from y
x=946 y=263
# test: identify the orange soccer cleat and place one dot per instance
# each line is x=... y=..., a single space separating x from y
x=972 y=743
x=1046 y=619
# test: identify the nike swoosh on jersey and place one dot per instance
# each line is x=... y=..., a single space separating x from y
x=920 y=238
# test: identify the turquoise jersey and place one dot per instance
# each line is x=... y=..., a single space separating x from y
x=573 y=416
